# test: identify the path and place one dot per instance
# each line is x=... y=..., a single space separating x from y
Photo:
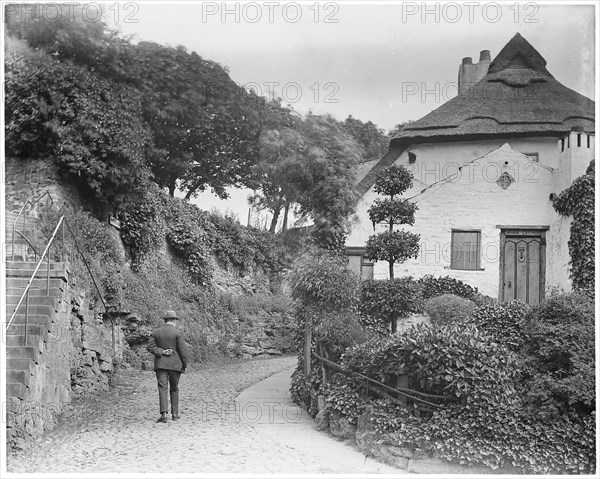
x=217 y=434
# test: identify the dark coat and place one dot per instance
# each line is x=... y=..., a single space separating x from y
x=168 y=337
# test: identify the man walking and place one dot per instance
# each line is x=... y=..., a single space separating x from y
x=170 y=360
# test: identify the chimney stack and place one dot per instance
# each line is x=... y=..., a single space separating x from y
x=470 y=73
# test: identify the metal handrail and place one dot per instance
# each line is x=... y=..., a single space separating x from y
x=25 y=293
x=30 y=245
x=29 y=201
x=30 y=282
x=402 y=392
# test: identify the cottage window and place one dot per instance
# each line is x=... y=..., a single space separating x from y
x=465 y=250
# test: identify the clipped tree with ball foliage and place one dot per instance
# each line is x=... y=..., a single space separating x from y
x=390 y=245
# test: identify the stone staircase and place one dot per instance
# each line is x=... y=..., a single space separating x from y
x=28 y=334
x=27 y=337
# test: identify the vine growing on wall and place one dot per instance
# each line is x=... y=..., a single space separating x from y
x=578 y=201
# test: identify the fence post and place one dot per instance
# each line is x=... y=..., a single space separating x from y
x=307 y=349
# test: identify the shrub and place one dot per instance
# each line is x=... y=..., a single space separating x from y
x=453 y=360
x=381 y=302
x=432 y=287
x=142 y=228
x=448 y=308
x=507 y=435
x=560 y=374
x=343 y=398
x=319 y=278
x=504 y=321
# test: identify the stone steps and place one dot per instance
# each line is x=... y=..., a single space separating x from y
x=39 y=292
x=26 y=342
x=20 y=364
x=33 y=341
x=37 y=283
x=17 y=390
x=23 y=377
x=31 y=308
x=23 y=352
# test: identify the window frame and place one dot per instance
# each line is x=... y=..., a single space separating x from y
x=454 y=262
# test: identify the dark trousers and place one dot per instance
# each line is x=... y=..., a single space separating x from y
x=168 y=380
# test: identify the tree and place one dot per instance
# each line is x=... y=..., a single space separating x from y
x=372 y=140
x=90 y=126
x=393 y=246
x=205 y=127
x=325 y=179
x=280 y=151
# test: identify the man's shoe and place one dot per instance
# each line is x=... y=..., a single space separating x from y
x=176 y=417
x=162 y=418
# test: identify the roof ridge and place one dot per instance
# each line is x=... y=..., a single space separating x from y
x=518 y=45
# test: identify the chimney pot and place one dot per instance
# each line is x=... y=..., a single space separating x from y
x=467 y=61
x=485 y=55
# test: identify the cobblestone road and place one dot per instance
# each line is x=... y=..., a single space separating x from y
x=118 y=431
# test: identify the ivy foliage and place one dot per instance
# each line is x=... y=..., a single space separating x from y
x=559 y=349
x=142 y=225
x=88 y=125
x=578 y=201
x=432 y=286
x=523 y=380
x=503 y=321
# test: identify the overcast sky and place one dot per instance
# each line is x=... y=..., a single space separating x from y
x=387 y=63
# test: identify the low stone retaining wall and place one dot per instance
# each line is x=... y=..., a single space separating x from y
x=385 y=450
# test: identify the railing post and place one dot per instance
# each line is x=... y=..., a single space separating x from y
x=48 y=275
x=62 y=252
x=26 y=315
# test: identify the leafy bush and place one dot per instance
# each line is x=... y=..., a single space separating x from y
x=320 y=278
x=448 y=308
x=560 y=373
x=407 y=429
x=88 y=125
x=504 y=321
x=381 y=302
x=142 y=228
x=432 y=287
x=505 y=435
x=196 y=234
x=343 y=398
x=453 y=360
x=325 y=290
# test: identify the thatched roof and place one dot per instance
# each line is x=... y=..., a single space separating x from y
x=518 y=97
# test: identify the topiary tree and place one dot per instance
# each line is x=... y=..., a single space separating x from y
x=393 y=246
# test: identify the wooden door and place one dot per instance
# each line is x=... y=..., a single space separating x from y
x=522 y=266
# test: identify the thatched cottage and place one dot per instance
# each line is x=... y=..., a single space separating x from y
x=485 y=166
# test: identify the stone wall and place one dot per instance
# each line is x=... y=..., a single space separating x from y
x=77 y=359
x=26 y=179
x=385 y=448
